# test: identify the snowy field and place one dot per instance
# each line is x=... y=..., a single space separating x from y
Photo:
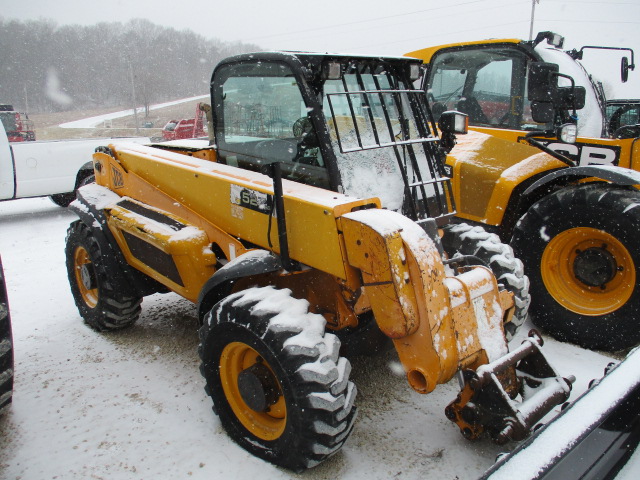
x=131 y=404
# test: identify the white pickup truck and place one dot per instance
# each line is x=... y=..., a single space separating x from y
x=48 y=168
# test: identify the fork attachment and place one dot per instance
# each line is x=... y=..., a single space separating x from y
x=507 y=397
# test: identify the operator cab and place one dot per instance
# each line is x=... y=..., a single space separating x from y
x=354 y=125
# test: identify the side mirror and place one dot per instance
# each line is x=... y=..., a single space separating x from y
x=543 y=82
x=542 y=112
x=571 y=97
x=453 y=122
x=624 y=69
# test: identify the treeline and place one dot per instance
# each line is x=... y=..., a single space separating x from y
x=45 y=67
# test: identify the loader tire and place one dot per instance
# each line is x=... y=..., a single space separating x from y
x=581 y=247
x=278 y=384
x=102 y=306
x=465 y=239
x=6 y=348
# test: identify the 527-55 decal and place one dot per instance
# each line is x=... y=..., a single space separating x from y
x=251 y=199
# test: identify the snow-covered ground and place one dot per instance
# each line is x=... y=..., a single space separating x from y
x=131 y=404
x=98 y=120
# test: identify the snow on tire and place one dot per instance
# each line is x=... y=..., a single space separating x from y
x=465 y=239
x=277 y=381
x=102 y=306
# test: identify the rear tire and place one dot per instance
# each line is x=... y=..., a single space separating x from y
x=464 y=239
x=64 y=199
x=6 y=348
x=582 y=250
x=278 y=384
x=102 y=306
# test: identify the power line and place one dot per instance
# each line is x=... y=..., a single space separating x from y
x=590 y=21
x=363 y=21
x=418 y=20
x=635 y=4
x=448 y=33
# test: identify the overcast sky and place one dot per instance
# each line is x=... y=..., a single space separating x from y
x=373 y=26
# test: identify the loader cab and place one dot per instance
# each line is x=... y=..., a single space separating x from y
x=261 y=116
x=489 y=83
x=490 y=79
x=355 y=125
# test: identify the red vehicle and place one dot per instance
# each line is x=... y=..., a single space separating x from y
x=17 y=125
x=185 y=128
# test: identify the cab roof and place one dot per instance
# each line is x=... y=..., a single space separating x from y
x=426 y=54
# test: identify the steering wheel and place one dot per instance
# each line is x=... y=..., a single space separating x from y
x=302 y=127
x=504 y=120
x=616 y=117
x=627 y=131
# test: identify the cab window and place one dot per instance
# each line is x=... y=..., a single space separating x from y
x=262 y=118
x=488 y=84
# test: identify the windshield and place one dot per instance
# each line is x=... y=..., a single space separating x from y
x=8 y=121
x=488 y=84
x=263 y=118
x=381 y=146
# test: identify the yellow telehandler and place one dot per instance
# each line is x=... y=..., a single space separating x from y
x=314 y=214
x=567 y=204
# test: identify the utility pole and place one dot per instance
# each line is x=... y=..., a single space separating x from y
x=26 y=100
x=133 y=96
x=533 y=12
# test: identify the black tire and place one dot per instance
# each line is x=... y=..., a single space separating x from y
x=465 y=239
x=6 y=347
x=314 y=412
x=581 y=248
x=101 y=305
x=64 y=199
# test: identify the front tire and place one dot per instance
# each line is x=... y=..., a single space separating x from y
x=102 y=306
x=582 y=250
x=464 y=239
x=6 y=347
x=276 y=379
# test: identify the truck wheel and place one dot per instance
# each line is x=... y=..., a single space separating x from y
x=581 y=247
x=64 y=199
x=464 y=239
x=276 y=379
x=100 y=304
x=6 y=347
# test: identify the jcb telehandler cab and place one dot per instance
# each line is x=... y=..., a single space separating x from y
x=571 y=213
x=318 y=207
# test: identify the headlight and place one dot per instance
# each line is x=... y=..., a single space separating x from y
x=568 y=132
x=454 y=122
x=331 y=70
x=414 y=72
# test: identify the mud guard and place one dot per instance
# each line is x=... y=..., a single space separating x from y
x=254 y=262
x=121 y=273
x=616 y=175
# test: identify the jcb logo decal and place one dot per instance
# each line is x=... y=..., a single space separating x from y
x=117 y=178
x=588 y=154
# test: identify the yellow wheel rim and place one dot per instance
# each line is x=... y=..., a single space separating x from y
x=237 y=357
x=588 y=271
x=85 y=277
